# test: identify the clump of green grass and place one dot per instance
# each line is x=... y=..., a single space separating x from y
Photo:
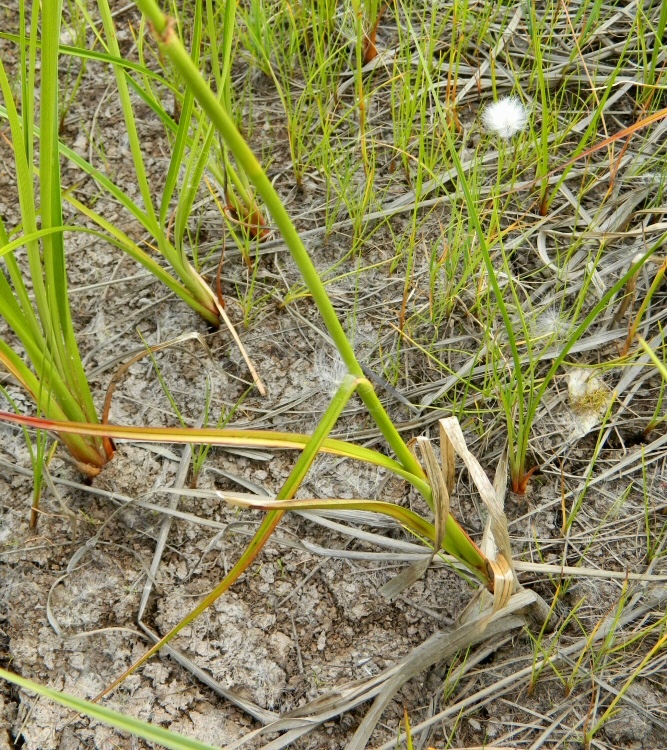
x=42 y=322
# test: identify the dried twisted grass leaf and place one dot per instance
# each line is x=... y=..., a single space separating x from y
x=405 y=578
x=447 y=459
x=504 y=583
x=438 y=648
x=383 y=687
x=438 y=488
x=497 y=519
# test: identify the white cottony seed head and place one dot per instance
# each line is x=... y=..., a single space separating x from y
x=329 y=370
x=506 y=117
x=550 y=323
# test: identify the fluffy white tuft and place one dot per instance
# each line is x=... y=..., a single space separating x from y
x=551 y=324
x=329 y=370
x=506 y=117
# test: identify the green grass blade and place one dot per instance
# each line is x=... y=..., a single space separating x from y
x=456 y=541
x=27 y=202
x=225 y=437
x=125 y=243
x=180 y=143
x=61 y=331
x=108 y=716
x=660 y=365
x=16 y=277
x=196 y=164
x=130 y=121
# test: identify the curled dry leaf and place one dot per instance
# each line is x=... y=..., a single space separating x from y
x=439 y=489
x=504 y=584
x=497 y=519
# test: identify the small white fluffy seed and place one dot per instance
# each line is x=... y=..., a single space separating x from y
x=329 y=370
x=506 y=117
x=550 y=323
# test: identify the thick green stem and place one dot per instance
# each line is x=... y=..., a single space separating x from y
x=391 y=434
x=246 y=160
x=225 y=437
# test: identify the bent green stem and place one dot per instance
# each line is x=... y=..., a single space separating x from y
x=166 y=35
x=225 y=437
x=456 y=542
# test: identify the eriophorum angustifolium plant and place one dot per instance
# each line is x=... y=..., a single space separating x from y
x=506 y=117
x=34 y=297
x=517 y=363
x=34 y=301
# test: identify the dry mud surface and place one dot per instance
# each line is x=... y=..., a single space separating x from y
x=297 y=624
